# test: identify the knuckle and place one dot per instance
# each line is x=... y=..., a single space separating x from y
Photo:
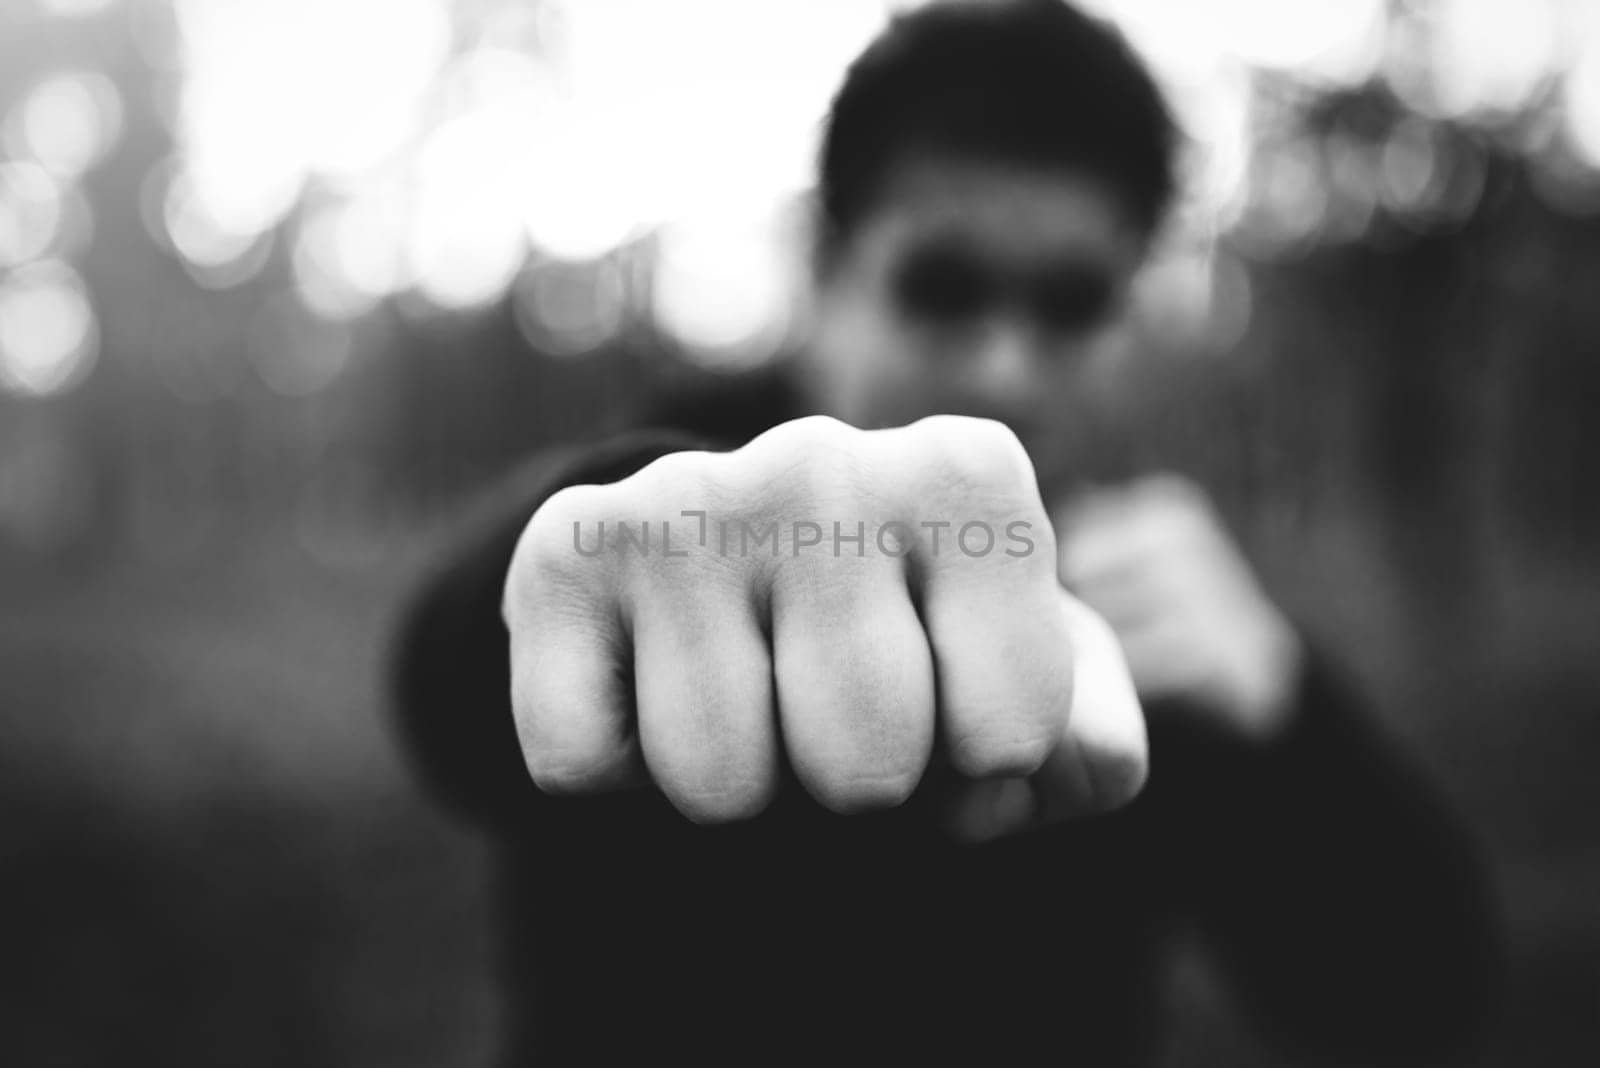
x=804 y=462
x=552 y=557
x=981 y=452
x=804 y=490
x=677 y=480
x=979 y=463
x=782 y=444
x=816 y=430
x=1171 y=486
x=549 y=539
x=1174 y=502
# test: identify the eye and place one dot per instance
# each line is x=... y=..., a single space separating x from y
x=1072 y=298
x=943 y=285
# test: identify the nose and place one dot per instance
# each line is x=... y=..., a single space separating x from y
x=1005 y=366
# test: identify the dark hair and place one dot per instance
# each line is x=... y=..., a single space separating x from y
x=1033 y=82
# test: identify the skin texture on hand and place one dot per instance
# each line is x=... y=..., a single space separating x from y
x=1071 y=783
x=1154 y=559
x=702 y=669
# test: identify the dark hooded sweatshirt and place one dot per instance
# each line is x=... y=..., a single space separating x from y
x=1325 y=877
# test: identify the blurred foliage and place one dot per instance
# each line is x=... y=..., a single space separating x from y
x=233 y=299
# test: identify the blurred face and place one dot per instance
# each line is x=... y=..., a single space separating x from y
x=978 y=289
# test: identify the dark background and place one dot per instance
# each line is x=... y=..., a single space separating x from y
x=210 y=850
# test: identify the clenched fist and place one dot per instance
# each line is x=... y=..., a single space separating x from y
x=1156 y=561
x=850 y=600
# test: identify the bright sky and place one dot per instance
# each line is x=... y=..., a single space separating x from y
x=452 y=153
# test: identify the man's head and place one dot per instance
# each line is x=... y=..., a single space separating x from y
x=991 y=175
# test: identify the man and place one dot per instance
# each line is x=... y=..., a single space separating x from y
x=775 y=773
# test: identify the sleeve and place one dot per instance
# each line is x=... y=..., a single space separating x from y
x=1341 y=896
x=449 y=660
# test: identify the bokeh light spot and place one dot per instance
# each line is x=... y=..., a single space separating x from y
x=1583 y=103
x=74 y=8
x=722 y=291
x=48 y=335
x=295 y=352
x=68 y=122
x=463 y=247
x=30 y=212
x=216 y=254
x=568 y=309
